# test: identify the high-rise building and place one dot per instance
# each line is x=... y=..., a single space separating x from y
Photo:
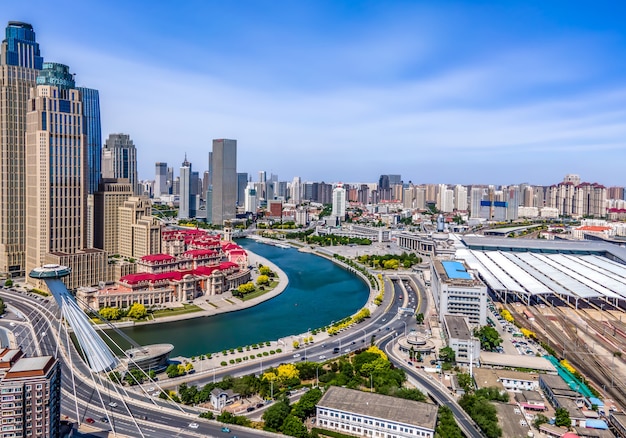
x=242 y=183
x=112 y=195
x=93 y=132
x=476 y=195
x=339 y=202
x=251 y=200
x=185 y=199
x=296 y=190
x=160 y=179
x=460 y=197
x=139 y=233
x=31 y=390
x=56 y=180
x=119 y=159
x=20 y=62
x=224 y=180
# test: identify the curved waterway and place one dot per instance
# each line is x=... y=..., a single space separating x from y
x=318 y=292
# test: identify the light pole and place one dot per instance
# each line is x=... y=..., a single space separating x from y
x=213 y=375
x=371 y=384
x=317 y=377
x=404 y=322
x=364 y=335
x=261 y=368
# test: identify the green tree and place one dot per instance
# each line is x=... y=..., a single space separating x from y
x=137 y=311
x=306 y=405
x=419 y=318
x=262 y=280
x=110 y=313
x=489 y=337
x=447 y=354
x=293 y=426
x=562 y=417
x=275 y=415
x=172 y=371
x=115 y=377
x=8 y=283
x=264 y=270
x=446 y=426
x=410 y=394
x=134 y=377
x=465 y=382
x=3 y=307
x=539 y=420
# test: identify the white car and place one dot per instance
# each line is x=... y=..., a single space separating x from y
x=113 y=404
x=194 y=425
x=296 y=355
x=322 y=357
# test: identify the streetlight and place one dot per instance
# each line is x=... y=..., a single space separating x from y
x=371 y=384
x=213 y=375
x=364 y=335
x=404 y=322
x=317 y=377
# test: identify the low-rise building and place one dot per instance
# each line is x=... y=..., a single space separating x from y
x=466 y=347
x=374 y=415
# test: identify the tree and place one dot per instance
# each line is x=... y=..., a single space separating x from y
x=137 y=311
x=264 y=270
x=306 y=405
x=172 y=370
x=293 y=426
x=562 y=417
x=419 y=318
x=446 y=426
x=262 y=280
x=246 y=288
x=3 y=307
x=296 y=344
x=275 y=415
x=8 y=283
x=447 y=354
x=489 y=337
x=410 y=394
x=134 y=377
x=188 y=367
x=287 y=371
x=110 y=313
x=465 y=382
x=115 y=377
x=539 y=420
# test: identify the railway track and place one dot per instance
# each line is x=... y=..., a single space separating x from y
x=567 y=342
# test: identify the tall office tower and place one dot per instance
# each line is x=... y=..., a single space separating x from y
x=209 y=204
x=93 y=131
x=224 y=180
x=363 y=195
x=262 y=176
x=420 y=198
x=160 y=179
x=196 y=188
x=308 y=191
x=323 y=193
x=119 y=159
x=384 y=188
x=56 y=182
x=170 y=180
x=296 y=190
x=280 y=189
x=339 y=202
x=242 y=183
x=33 y=385
x=476 y=195
x=210 y=168
x=184 y=205
x=139 y=233
x=250 y=199
x=512 y=195
x=460 y=197
x=20 y=62
x=394 y=179
x=112 y=195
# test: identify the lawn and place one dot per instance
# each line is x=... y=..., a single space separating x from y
x=259 y=292
x=187 y=308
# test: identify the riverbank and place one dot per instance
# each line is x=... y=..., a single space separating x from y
x=225 y=303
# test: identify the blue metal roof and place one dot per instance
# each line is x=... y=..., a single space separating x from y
x=456 y=270
x=596 y=424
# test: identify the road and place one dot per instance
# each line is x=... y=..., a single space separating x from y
x=153 y=417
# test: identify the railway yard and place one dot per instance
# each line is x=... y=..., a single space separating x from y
x=592 y=340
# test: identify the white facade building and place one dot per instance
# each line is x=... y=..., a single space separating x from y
x=458 y=291
x=339 y=202
x=367 y=414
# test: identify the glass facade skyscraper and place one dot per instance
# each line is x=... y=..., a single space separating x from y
x=93 y=133
x=21 y=48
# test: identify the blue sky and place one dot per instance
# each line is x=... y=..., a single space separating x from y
x=467 y=92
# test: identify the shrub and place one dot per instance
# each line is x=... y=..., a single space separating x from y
x=272 y=352
x=232 y=361
x=279 y=350
x=223 y=363
x=265 y=353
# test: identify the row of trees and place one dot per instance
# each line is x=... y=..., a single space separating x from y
x=359 y=268
x=333 y=240
x=136 y=311
x=390 y=261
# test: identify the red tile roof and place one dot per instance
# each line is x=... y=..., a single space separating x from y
x=158 y=258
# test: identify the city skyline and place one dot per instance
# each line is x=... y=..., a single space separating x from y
x=460 y=94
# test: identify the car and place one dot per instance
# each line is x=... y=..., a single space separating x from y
x=194 y=425
x=322 y=357
x=151 y=389
x=347 y=350
x=12 y=324
x=225 y=429
x=113 y=404
x=104 y=419
x=155 y=394
x=353 y=342
x=410 y=363
x=387 y=328
x=296 y=355
x=250 y=408
x=90 y=420
x=259 y=405
x=384 y=319
x=303 y=358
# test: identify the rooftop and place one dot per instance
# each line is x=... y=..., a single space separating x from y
x=456 y=270
x=380 y=406
x=516 y=361
x=457 y=327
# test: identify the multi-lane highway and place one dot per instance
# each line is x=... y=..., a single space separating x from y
x=138 y=414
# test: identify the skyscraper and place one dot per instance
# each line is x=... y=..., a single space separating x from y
x=224 y=180
x=160 y=179
x=93 y=131
x=56 y=179
x=184 y=205
x=242 y=183
x=119 y=159
x=20 y=62
x=339 y=202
